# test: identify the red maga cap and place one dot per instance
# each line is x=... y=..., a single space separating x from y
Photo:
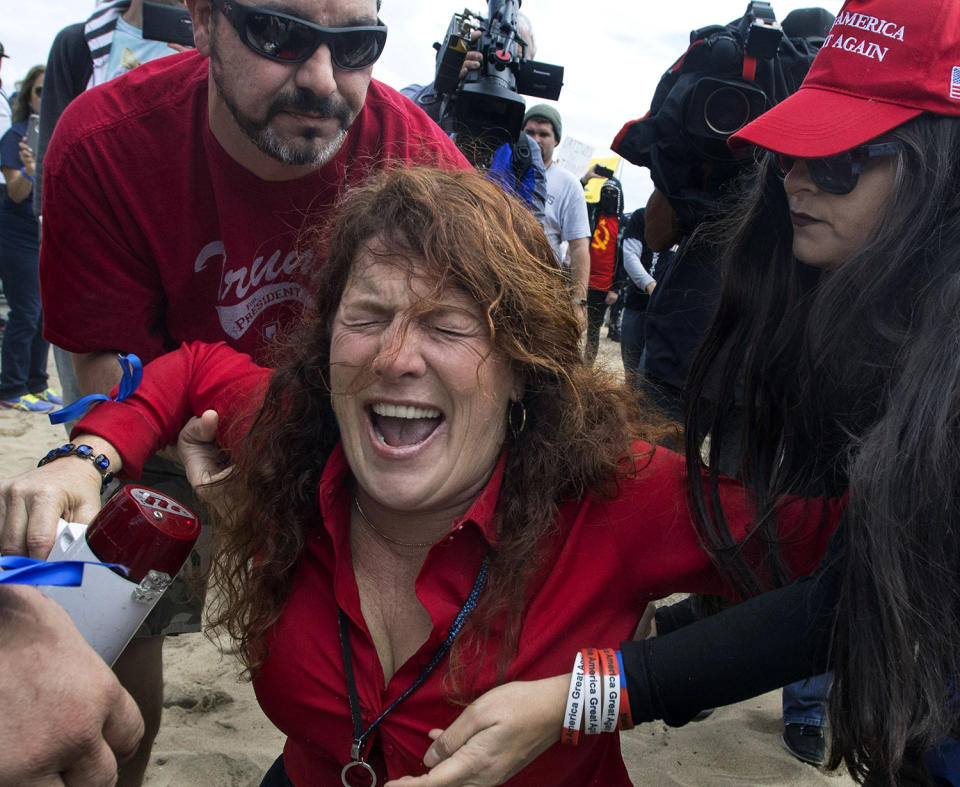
x=882 y=63
x=143 y=530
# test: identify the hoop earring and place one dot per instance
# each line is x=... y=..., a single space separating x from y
x=513 y=417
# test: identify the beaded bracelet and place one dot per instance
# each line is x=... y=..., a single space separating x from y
x=84 y=452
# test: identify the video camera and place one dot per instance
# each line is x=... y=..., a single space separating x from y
x=728 y=76
x=485 y=104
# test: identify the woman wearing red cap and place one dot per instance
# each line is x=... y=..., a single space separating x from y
x=837 y=341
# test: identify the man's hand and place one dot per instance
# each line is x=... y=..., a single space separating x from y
x=590 y=174
x=31 y=502
x=496 y=736
x=473 y=59
x=66 y=718
x=579 y=250
x=611 y=298
x=580 y=312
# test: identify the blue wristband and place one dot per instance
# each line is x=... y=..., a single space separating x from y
x=23 y=171
x=132 y=374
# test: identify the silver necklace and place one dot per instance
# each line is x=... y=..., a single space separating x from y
x=384 y=536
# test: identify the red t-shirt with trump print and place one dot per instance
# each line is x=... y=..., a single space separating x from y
x=153 y=235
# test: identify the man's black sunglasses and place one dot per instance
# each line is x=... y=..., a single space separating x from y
x=839 y=174
x=287 y=39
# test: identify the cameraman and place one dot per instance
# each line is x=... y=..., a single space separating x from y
x=517 y=167
x=430 y=101
x=728 y=75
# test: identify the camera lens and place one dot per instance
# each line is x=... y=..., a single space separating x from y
x=726 y=110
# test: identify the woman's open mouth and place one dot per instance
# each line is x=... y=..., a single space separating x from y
x=402 y=425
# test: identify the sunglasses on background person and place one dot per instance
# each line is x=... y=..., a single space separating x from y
x=287 y=39
x=839 y=174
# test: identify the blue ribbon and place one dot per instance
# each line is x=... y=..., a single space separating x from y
x=132 y=374
x=65 y=573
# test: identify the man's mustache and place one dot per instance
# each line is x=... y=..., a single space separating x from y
x=305 y=102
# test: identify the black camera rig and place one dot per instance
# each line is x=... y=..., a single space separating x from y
x=729 y=75
x=486 y=104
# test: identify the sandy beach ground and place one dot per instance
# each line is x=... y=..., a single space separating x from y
x=214 y=734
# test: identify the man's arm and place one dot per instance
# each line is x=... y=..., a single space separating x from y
x=633 y=264
x=96 y=372
x=579 y=266
x=579 y=278
x=575 y=229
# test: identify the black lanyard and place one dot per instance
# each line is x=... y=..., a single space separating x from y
x=359 y=735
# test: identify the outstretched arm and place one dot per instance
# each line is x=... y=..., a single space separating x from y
x=175 y=387
x=747 y=650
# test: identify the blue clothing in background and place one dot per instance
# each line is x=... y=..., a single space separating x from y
x=23 y=354
x=805 y=702
x=18 y=216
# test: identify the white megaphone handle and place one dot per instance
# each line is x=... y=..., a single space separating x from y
x=107 y=608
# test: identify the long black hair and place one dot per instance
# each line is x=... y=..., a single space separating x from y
x=850 y=379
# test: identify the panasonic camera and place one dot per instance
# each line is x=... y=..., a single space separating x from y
x=486 y=103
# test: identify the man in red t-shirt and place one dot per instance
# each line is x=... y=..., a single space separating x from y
x=175 y=199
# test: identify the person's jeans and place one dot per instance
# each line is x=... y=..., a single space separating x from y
x=596 y=308
x=805 y=702
x=23 y=355
x=943 y=762
x=631 y=342
x=276 y=776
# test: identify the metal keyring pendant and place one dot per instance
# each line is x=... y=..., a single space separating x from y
x=357 y=764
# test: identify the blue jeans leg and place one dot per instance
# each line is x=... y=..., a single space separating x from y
x=596 y=309
x=631 y=342
x=23 y=355
x=805 y=702
x=943 y=762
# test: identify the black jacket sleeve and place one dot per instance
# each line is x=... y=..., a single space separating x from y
x=69 y=68
x=754 y=647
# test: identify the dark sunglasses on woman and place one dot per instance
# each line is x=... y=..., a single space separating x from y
x=286 y=39
x=839 y=174
x=38 y=90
